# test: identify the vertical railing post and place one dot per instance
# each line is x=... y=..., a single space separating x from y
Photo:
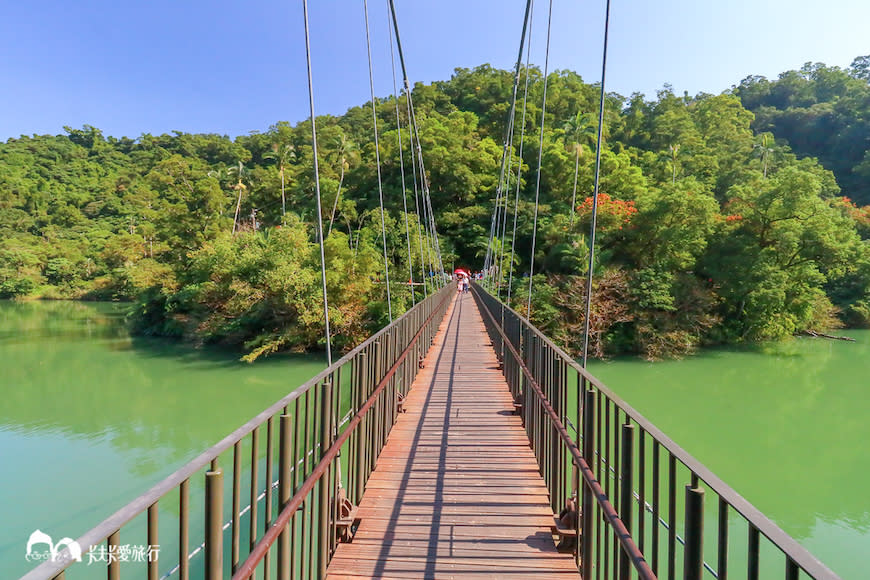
x=267 y=505
x=656 y=474
x=752 y=553
x=672 y=516
x=323 y=485
x=625 y=492
x=722 y=547
x=693 y=561
x=792 y=570
x=576 y=482
x=237 y=500
x=589 y=456
x=255 y=452
x=641 y=489
x=113 y=545
x=214 y=549
x=184 y=530
x=153 y=543
x=375 y=422
x=285 y=490
x=359 y=454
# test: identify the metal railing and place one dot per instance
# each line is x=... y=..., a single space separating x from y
x=633 y=522
x=309 y=463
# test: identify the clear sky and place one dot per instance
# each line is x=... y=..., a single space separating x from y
x=134 y=66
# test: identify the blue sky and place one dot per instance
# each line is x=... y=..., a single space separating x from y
x=134 y=66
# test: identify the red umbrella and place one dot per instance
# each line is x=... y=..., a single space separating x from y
x=460 y=271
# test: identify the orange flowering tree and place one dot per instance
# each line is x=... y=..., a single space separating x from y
x=613 y=214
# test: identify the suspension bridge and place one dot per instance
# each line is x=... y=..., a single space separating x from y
x=456 y=442
x=446 y=446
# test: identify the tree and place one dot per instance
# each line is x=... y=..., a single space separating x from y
x=344 y=149
x=777 y=246
x=764 y=149
x=674 y=150
x=578 y=129
x=860 y=68
x=240 y=187
x=752 y=241
x=282 y=154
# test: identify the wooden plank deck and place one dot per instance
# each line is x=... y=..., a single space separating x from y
x=456 y=492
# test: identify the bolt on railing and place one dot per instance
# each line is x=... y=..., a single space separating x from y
x=628 y=474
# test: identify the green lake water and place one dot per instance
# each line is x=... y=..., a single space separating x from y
x=90 y=418
x=786 y=425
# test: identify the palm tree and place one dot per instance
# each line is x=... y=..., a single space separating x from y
x=765 y=150
x=578 y=129
x=283 y=155
x=239 y=171
x=345 y=148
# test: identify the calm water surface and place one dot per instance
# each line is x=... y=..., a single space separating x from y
x=786 y=425
x=90 y=417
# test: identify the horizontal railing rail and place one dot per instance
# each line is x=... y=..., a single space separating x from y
x=308 y=417
x=321 y=473
x=592 y=488
x=634 y=463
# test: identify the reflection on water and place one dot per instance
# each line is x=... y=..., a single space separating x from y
x=784 y=424
x=91 y=417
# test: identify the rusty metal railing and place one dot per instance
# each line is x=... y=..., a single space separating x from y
x=633 y=522
x=292 y=487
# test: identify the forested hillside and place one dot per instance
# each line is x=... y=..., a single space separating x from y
x=821 y=112
x=717 y=224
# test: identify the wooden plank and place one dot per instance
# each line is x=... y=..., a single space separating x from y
x=456 y=492
x=505 y=561
x=420 y=530
x=443 y=575
x=381 y=497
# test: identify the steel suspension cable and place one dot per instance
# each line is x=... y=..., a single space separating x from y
x=413 y=120
x=499 y=249
x=402 y=169
x=378 y=160
x=428 y=198
x=488 y=259
x=317 y=183
x=416 y=195
x=416 y=199
x=493 y=227
x=520 y=158
x=437 y=244
x=588 y=309
x=423 y=216
x=506 y=167
x=424 y=219
x=493 y=219
x=540 y=159
x=428 y=215
x=427 y=202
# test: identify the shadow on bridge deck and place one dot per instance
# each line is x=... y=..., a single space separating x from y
x=456 y=492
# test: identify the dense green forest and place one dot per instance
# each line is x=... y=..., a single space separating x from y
x=723 y=218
